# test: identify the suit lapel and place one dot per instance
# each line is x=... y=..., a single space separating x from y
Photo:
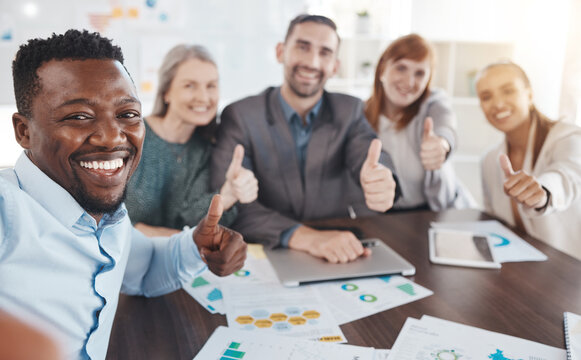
x=285 y=147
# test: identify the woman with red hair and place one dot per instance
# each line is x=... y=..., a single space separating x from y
x=416 y=126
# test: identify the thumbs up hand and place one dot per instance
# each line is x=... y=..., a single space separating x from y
x=434 y=148
x=522 y=187
x=505 y=165
x=377 y=180
x=241 y=184
x=224 y=250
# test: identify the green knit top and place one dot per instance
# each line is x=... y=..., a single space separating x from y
x=171 y=186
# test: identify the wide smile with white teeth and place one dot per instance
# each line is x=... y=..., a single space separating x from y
x=102 y=165
x=201 y=109
x=308 y=74
x=503 y=114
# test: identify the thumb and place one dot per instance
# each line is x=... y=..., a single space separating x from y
x=205 y=235
x=236 y=164
x=373 y=153
x=214 y=213
x=505 y=165
x=428 y=128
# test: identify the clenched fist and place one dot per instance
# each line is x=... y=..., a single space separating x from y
x=222 y=249
x=522 y=187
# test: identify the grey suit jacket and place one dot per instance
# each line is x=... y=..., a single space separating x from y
x=336 y=151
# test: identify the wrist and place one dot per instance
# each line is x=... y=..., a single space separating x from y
x=228 y=198
x=301 y=238
x=445 y=145
x=547 y=200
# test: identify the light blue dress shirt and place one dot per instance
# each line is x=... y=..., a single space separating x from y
x=58 y=264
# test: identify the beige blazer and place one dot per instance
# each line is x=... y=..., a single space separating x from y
x=558 y=169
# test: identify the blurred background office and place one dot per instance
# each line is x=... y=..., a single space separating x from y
x=543 y=37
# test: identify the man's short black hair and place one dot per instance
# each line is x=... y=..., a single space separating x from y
x=303 y=18
x=74 y=45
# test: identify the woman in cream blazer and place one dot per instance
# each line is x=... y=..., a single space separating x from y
x=532 y=179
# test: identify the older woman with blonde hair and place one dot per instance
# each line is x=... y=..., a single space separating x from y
x=416 y=125
x=171 y=187
x=532 y=179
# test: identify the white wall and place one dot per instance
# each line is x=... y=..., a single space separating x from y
x=241 y=35
x=538 y=29
x=9 y=149
x=537 y=32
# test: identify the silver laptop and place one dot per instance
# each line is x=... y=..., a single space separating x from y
x=294 y=267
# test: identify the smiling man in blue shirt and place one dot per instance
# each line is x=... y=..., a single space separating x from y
x=67 y=246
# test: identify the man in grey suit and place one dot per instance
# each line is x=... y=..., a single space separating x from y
x=313 y=152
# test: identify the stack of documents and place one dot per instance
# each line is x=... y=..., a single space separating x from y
x=433 y=338
x=230 y=344
x=207 y=288
x=253 y=300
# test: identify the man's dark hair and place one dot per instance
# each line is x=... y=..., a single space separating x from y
x=74 y=45
x=303 y=18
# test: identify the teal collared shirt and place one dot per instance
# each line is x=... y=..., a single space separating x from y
x=302 y=135
x=301 y=131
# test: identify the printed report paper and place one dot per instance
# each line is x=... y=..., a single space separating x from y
x=354 y=299
x=433 y=338
x=231 y=344
x=573 y=335
x=271 y=308
x=207 y=288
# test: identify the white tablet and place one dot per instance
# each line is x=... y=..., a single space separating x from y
x=461 y=248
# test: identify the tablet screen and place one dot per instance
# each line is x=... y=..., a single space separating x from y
x=462 y=248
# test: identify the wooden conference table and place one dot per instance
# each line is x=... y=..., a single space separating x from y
x=524 y=299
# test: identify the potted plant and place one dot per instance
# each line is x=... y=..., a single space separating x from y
x=366 y=69
x=363 y=22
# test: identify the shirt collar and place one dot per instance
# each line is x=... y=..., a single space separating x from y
x=289 y=112
x=54 y=198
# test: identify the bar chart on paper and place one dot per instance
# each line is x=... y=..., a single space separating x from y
x=232 y=344
x=436 y=339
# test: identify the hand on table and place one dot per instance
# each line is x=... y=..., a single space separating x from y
x=522 y=187
x=333 y=245
x=434 y=148
x=241 y=184
x=377 y=180
x=223 y=249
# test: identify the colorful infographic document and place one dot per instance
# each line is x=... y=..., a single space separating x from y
x=233 y=344
x=272 y=308
x=432 y=338
x=207 y=288
x=357 y=298
x=573 y=335
x=508 y=246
